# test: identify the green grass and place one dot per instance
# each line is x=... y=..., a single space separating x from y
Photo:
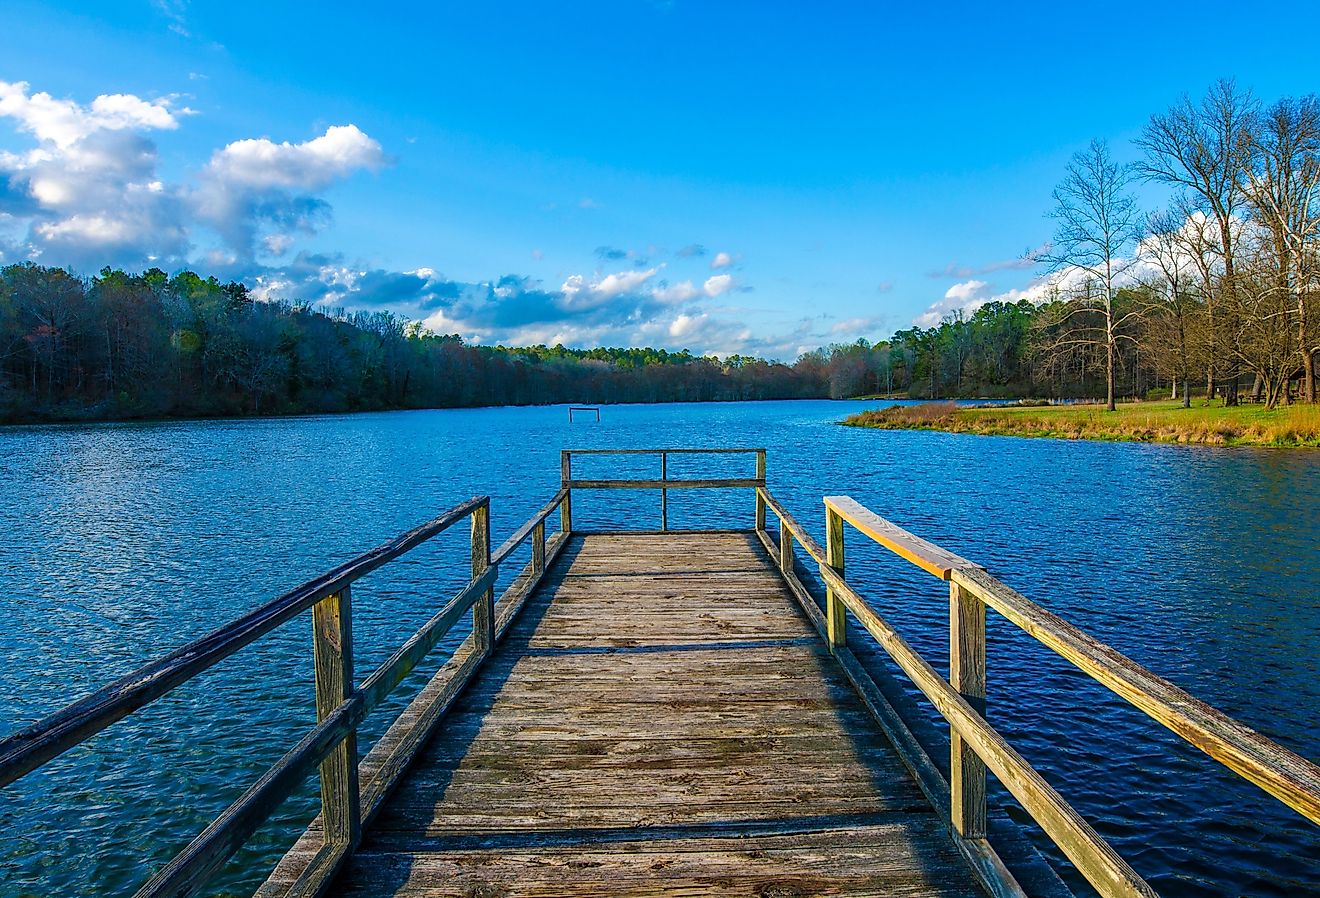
x=1295 y=426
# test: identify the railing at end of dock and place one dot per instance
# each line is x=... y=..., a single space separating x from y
x=664 y=484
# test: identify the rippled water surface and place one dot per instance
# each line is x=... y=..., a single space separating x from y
x=119 y=542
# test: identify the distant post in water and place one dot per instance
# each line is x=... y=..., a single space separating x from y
x=967 y=675
x=332 y=655
x=835 y=620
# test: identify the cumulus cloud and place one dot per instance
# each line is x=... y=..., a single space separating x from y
x=254 y=188
x=717 y=284
x=261 y=164
x=64 y=123
x=721 y=260
x=968 y=296
x=89 y=192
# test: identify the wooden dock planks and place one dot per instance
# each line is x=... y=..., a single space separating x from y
x=660 y=720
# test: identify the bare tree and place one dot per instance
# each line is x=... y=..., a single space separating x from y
x=1284 y=193
x=1205 y=149
x=1098 y=223
x=1165 y=247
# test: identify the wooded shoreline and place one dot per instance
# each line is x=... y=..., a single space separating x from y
x=1285 y=427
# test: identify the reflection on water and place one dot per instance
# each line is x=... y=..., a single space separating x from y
x=118 y=542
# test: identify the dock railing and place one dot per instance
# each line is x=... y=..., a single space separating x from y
x=341 y=704
x=975 y=746
x=664 y=483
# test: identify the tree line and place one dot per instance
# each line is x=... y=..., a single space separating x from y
x=122 y=345
x=1218 y=293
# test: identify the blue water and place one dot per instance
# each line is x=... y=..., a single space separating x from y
x=118 y=542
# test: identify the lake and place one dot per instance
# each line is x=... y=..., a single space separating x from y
x=121 y=541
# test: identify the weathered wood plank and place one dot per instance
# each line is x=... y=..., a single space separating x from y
x=332 y=655
x=654 y=684
x=925 y=555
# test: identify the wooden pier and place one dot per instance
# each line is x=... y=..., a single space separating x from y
x=661 y=712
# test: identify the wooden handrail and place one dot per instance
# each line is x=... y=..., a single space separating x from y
x=341 y=706
x=674 y=451
x=664 y=484
x=519 y=536
x=717 y=483
x=1082 y=845
x=975 y=744
x=1286 y=775
x=925 y=555
x=805 y=539
x=33 y=746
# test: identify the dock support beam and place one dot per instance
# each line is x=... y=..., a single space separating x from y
x=967 y=675
x=332 y=653
x=835 y=619
x=664 y=493
x=566 y=507
x=483 y=611
x=760 y=500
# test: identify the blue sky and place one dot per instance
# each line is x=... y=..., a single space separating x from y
x=725 y=177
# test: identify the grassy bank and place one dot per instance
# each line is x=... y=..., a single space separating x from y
x=1296 y=426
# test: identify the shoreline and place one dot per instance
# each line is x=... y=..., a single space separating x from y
x=1160 y=421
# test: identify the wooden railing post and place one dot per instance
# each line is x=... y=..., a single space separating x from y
x=967 y=675
x=483 y=611
x=835 y=620
x=785 y=548
x=538 y=547
x=760 y=500
x=664 y=493
x=566 y=507
x=332 y=654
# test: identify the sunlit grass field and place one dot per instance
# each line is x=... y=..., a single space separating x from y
x=1293 y=426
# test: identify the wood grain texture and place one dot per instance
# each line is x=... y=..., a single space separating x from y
x=660 y=719
x=332 y=655
x=925 y=555
x=967 y=675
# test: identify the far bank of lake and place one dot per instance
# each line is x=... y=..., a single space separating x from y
x=1289 y=426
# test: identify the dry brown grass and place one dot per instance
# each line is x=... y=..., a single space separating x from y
x=1295 y=426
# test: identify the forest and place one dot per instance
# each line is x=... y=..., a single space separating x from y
x=122 y=345
x=1216 y=295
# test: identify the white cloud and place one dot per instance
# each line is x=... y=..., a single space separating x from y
x=721 y=260
x=680 y=292
x=88 y=192
x=253 y=189
x=261 y=165
x=685 y=325
x=717 y=284
x=62 y=123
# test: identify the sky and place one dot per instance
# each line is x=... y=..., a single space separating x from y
x=753 y=178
